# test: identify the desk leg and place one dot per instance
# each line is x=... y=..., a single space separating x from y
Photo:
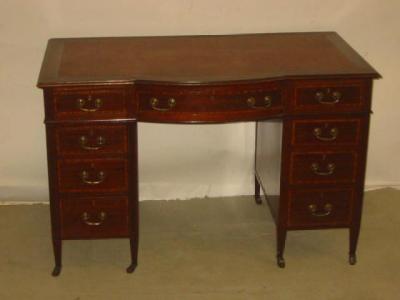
x=359 y=199
x=134 y=252
x=257 y=187
x=54 y=202
x=355 y=228
x=57 y=246
x=257 y=190
x=134 y=242
x=133 y=197
x=354 y=233
x=281 y=240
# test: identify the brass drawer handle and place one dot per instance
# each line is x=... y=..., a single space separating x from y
x=333 y=134
x=330 y=168
x=83 y=104
x=154 y=104
x=326 y=211
x=251 y=102
x=86 y=218
x=328 y=97
x=100 y=178
x=100 y=141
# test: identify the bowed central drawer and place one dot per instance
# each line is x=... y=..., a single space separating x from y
x=163 y=103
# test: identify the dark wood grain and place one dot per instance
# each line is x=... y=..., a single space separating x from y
x=115 y=223
x=326 y=132
x=113 y=103
x=313 y=86
x=353 y=96
x=70 y=175
x=200 y=59
x=301 y=217
x=91 y=140
x=209 y=104
x=344 y=167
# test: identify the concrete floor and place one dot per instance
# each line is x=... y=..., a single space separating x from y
x=204 y=249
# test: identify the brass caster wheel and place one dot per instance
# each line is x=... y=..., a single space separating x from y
x=352 y=259
x=56 y=271
x=131 y=268
x=281 y=262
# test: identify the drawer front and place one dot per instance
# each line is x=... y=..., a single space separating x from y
x=331 y=96
x=90 y=103
x=208 y=104
x=323 y=167
x=326 y=132
x=320 y=208
x=91 y=140
x=94 y=217
x=92 y=175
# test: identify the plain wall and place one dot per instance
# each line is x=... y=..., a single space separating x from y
x=177 y=161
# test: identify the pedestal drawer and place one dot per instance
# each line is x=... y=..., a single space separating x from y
x=323 y=167
x=85 y=103
x=92 y=175
x=331 y=96
x=91 y=140
x=97 y=217
x=326 y=132
x=320 y=208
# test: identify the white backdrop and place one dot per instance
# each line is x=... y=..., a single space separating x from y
x=184 y=161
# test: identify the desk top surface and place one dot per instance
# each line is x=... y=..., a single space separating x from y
x=203 y=59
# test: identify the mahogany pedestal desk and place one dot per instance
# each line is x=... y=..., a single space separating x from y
x=313 y=85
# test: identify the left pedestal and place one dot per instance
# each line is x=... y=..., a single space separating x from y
x=92 y=166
